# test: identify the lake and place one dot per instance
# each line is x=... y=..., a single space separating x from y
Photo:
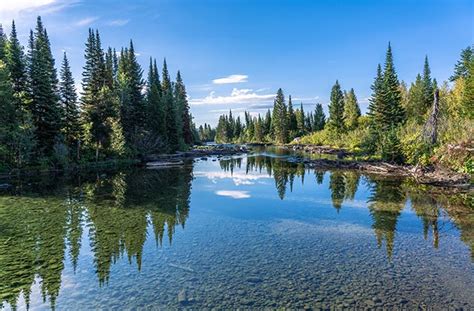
x=251 y=231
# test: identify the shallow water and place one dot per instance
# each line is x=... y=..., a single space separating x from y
x=248 y=232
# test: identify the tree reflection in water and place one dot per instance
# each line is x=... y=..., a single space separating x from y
x=40 y=221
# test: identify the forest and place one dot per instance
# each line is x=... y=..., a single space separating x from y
x=425 y=123
x=118 y=115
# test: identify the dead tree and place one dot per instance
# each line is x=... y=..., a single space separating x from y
x=430 y=130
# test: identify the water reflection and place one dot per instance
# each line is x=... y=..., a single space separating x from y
x=45 y=223
x=36 y=230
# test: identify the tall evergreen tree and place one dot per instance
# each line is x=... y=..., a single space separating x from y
x=3 y=44
x=183 y=110
x=279 y=118
x=336 y=109
x=351 y=110
x=415 y=106
x=156 y=122
x=68 y=99
x=300 y=124
x=43 y=80
x=393 y=113
x=319 y=119
x=16 y=63
x=428 y=88
x=292 y=123
x=172 y=137
x=8 y=120
x=461 y=69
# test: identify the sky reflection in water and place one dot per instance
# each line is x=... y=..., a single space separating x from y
x=248 y=232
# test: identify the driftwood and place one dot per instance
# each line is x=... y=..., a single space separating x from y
x=432 y=175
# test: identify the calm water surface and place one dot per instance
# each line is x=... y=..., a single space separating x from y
x=248 y=232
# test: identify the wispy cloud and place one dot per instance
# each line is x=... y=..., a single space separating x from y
x=237 y=178
x=234 y=194
x=12 y=9
x=237 y=96
x=86 y=21
x=231 y=79
x=118 y=22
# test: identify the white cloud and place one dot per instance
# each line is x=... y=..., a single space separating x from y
x=234 y=194
x=231 y=79
x=237 y=96
x=118 y=22
x=237 y=177
x=86 y=21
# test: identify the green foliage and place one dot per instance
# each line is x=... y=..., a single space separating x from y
x=415 y=149
x=351 y=110
x=336 y=120
x=280 y=119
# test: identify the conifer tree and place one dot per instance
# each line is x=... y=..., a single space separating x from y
x=3 y=44
x=183 y=110
x=8 y=120
x=268 y=123
x=292 y=124
x=393 y=113
x=336 y=109
x=16 y=63
x=156 y=122
x=43 y=80
x=300 y=124
x=351 y=110
x=68 y=99
x=415 y=106
x=319 y=118
x=279 y=119
x=461 y=69
x=375 y=101
x=172 y=138
x=428 y=88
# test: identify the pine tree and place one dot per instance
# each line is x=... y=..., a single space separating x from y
x=16 y=63
x=393 y=113
x=461 y=69
x=68 y=99
x=43 y=80
x=279 y=118
x=351 y=110
x=156 y=122
x=172 y=138
x=183 y=110
x=3 y=44
x=268 y=123
x=428 y=90
x=375 y=101
x=292 y=123
x=131 y=98
x=300 y=124
x=336 y=109
x=8 y=120
x=319 y=118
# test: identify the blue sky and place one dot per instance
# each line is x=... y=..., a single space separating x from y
x=235 y=54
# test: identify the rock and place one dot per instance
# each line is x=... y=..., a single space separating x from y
x=182 y=297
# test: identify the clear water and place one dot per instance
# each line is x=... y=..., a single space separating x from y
x=248 y=232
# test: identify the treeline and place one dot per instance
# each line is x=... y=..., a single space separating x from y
x=280 y=125
x=402 y=124
x=118 y=114
x=206 y=133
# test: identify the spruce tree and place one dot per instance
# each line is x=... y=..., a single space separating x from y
x=156 y=122
x=3 y=44
x=16 y=63
x=351 y=110
x=184 y=115
x=393 y=113
x=292 y=123
x=428 y=90
x=8 y=120
x=68 y=99
x=300 y=124
x=279 y=119
x=172 y=138
x=415 y=106
x=461 y=69
x=43 y=81
x=319 y=118
x=375 y=101
x=336 y=109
